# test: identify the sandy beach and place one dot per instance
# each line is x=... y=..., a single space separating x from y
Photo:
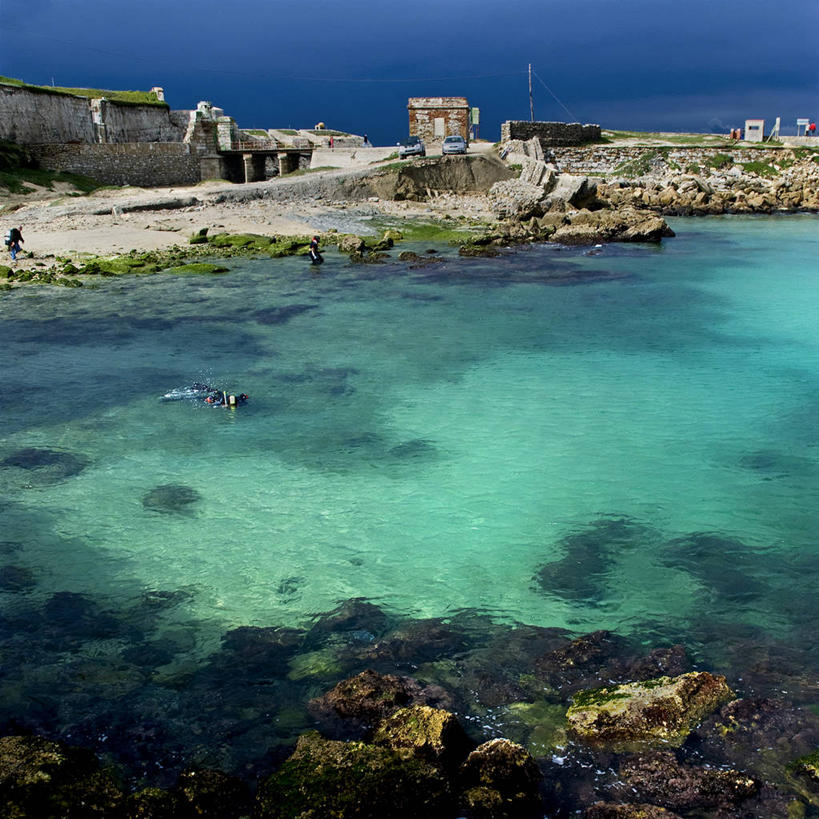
x=115 y=221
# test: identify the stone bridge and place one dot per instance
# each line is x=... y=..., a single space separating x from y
x=249 y=161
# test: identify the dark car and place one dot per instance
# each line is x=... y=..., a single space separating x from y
x=454 y=145
x=411 y=146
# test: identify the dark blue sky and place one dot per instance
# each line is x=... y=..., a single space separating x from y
x=698 y=65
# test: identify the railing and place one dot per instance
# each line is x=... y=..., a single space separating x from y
x=256 y=145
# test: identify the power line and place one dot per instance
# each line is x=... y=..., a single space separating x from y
x=557 y=100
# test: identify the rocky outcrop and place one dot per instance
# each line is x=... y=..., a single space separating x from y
x=369 y=697
x=610 y=810
x=324 y=778
x=430 y=734
x=660 y=711
x=691 y=181
x=500 y=780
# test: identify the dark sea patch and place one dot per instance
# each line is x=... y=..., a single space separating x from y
x=46 y=466
x=171 y=499
x=771 y=464
x=281 y=315
x=414 y=448
x=726 y=567
x=16 y=578
x=582 y=573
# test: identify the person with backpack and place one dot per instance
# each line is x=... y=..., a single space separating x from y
x=13 y=239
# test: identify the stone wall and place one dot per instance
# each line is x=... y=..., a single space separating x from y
x=148 y=164
x=27 y=117
x=606 y=160
x=550 y=134
x=140 y=123
x=37 y=117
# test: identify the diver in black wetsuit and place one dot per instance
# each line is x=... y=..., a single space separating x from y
x=219 y=398
x=315 y=256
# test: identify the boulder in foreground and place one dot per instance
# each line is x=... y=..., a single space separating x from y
x=660 y=711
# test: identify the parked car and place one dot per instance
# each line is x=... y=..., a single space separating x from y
x=411 y=146
x=454 y=145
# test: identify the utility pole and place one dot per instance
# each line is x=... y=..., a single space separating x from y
x=531 y=101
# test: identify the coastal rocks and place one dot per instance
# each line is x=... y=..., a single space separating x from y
x=171 y=499
x=213 y=793
x=572 y=191
x=514 y=198
x=664 y=710
x=621 y=225
x=196 y=269
x=500 y=780
x=326 y=778
x=43 y=778
x=660 y=779
x=429 y=734
x=610 y=810
x=369 y=697
x=763 y=734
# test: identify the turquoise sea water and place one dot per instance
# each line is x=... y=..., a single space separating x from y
x=624 y=439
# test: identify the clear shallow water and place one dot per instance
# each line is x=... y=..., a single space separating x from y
x=624 y=441
x=428 y=439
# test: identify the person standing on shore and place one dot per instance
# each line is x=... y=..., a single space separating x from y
x=15 y=237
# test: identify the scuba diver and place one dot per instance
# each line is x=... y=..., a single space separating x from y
x=219 y=398
x=205 y=392
x=315 y=256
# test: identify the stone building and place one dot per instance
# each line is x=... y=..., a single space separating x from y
x=433 y=118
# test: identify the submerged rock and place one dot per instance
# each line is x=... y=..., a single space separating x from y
x=430 y=734
x=610 y=810
x=170 y=498
x=664 y=710
x=326 y=779
x=762 y=735
x=214 y=794
x=47 y=465
x=16 y=579
x=501 y=781
x=661 y=779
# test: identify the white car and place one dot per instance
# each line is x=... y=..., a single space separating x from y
x=454 y=145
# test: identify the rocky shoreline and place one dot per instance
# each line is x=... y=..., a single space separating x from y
x=514 y=194
x=445 y=718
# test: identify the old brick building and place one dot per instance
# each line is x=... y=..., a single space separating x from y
x=433 y=118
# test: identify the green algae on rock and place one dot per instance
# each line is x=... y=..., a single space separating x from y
x=501 y=779
x=328 y=779
x=659 y=711
x=43 y=778
x=196 y=268
x=427 y=733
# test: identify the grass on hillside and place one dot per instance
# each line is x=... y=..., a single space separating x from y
x=124 y=97
x=19 y=171
x=676 y=139
x=325 y=132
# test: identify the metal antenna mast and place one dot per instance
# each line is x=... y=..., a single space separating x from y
x=531 y=101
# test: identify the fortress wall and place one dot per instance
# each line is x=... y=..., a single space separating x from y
x=140 y=123
x=145 y=164
x=28 y=118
